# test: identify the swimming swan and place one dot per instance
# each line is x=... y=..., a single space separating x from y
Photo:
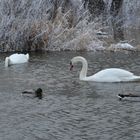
x=16 y=59
x=107 y=75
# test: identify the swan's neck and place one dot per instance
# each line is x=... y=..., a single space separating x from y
x=27 y=56
x=83 y=73
x=6 y=61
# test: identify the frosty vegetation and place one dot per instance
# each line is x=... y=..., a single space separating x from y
x=28 y=25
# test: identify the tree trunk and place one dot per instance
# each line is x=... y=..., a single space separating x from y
x=96 y=7
x=117 y=21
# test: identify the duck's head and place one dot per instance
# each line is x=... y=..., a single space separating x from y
x=38 y=93
x=121 y=95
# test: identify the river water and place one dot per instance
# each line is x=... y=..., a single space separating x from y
x=71 y=109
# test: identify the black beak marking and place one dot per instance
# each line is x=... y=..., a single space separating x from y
x=71 y=66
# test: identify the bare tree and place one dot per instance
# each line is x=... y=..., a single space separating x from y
x=96 y=7
x=117 y=20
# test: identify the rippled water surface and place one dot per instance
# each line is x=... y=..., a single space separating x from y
x=70 y=109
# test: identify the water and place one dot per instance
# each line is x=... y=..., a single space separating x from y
x=71 y=109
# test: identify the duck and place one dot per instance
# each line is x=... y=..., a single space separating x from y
x=37 y=93
x=121 y=96
x=106 y=75
x=16 y=59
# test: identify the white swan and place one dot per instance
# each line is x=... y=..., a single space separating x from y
x=107 y=75
x=16 y=59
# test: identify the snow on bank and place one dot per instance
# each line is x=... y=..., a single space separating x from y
x=121 y=46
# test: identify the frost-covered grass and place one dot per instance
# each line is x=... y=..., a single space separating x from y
x=52 y=25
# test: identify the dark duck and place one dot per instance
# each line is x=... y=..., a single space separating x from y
x=37 y=93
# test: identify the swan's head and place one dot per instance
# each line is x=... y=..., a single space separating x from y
x=71 y=65
x=75 y=60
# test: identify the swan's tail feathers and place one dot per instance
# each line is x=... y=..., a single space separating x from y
x=6 y=61
x=27 y=55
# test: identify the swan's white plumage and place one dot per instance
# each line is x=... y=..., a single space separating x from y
x=16 y=59
x=106 y=75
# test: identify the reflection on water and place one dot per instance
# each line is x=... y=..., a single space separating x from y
x=71 y=109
